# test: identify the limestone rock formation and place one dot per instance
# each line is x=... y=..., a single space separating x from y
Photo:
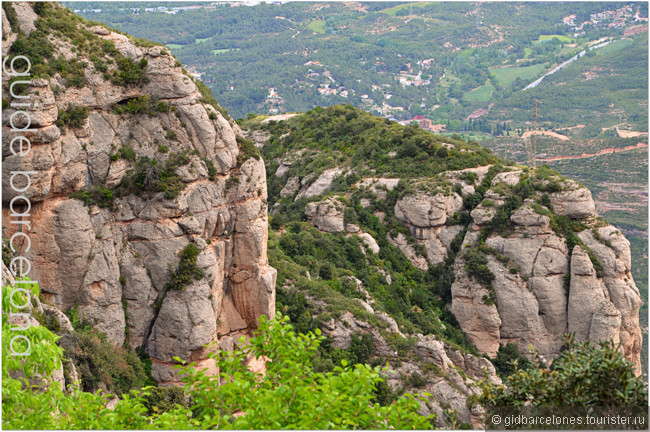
x=326 y=215
x=114 y=260
x=426 y=215
x=319 y=185
x=541 y=288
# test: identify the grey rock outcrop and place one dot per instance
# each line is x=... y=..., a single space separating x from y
x=326 y=215
x=575 y=201
x=535 y=302
x=320 y=185
x=426 y=215
x=115 y=262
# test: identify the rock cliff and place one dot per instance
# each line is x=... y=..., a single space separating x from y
x=155 y=166
x=548 y=282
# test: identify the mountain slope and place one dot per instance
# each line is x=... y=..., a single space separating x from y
x=512 y=253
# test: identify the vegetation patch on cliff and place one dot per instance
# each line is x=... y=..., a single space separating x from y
x=187 y=270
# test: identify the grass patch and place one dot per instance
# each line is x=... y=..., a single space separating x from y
x=508 y=75
x=616 y=46
x=561 y=38
x=317 y=26
x=394 y=10
x=479 y=94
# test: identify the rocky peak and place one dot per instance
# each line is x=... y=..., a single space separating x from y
x=137 y=169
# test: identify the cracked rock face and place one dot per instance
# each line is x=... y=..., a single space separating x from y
x=114 y=263
x=546 y=290
x=425 y=215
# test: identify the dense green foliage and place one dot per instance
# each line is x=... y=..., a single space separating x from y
x=141 y=105
x=129 y=72
x=73 y=116
x=509 y=360
x=290 y=394
x=187 y=270
x=476 y=265
x=150 y=176
x=100 y=364
x=98 y=195
x=584 y=375
x=343 y=136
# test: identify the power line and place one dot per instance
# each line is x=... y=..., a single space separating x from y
x=532 y=143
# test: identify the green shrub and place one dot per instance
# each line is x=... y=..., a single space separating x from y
x=162 y=107
x=127 y=153
x=99 y=362
x=326 y=271
x=130 y=73
x=416 y=380
x=246 y=150
x=360 y=348
x=73 y=116
x=469 y=177
x=584 y=375
x=149 y=176
x=504 y=362
x=158 y=400
x=98 y=195
x=212 y=170
x=476 y=265
x=187 y=270
x=99 y=64
x=138 y=105
x=171 y=135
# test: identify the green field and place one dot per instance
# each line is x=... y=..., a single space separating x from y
x=562 y=38
x=174 y=46
x=616 y=46
x=224 y=50
x=203 y=40
x=317 y=26
x=392 y=11
x=508 y=75
x=474 y=136
x=479 y=94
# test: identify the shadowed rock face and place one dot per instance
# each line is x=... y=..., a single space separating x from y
x=114 y=262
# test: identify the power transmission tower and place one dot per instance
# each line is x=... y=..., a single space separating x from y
x=532 y=144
